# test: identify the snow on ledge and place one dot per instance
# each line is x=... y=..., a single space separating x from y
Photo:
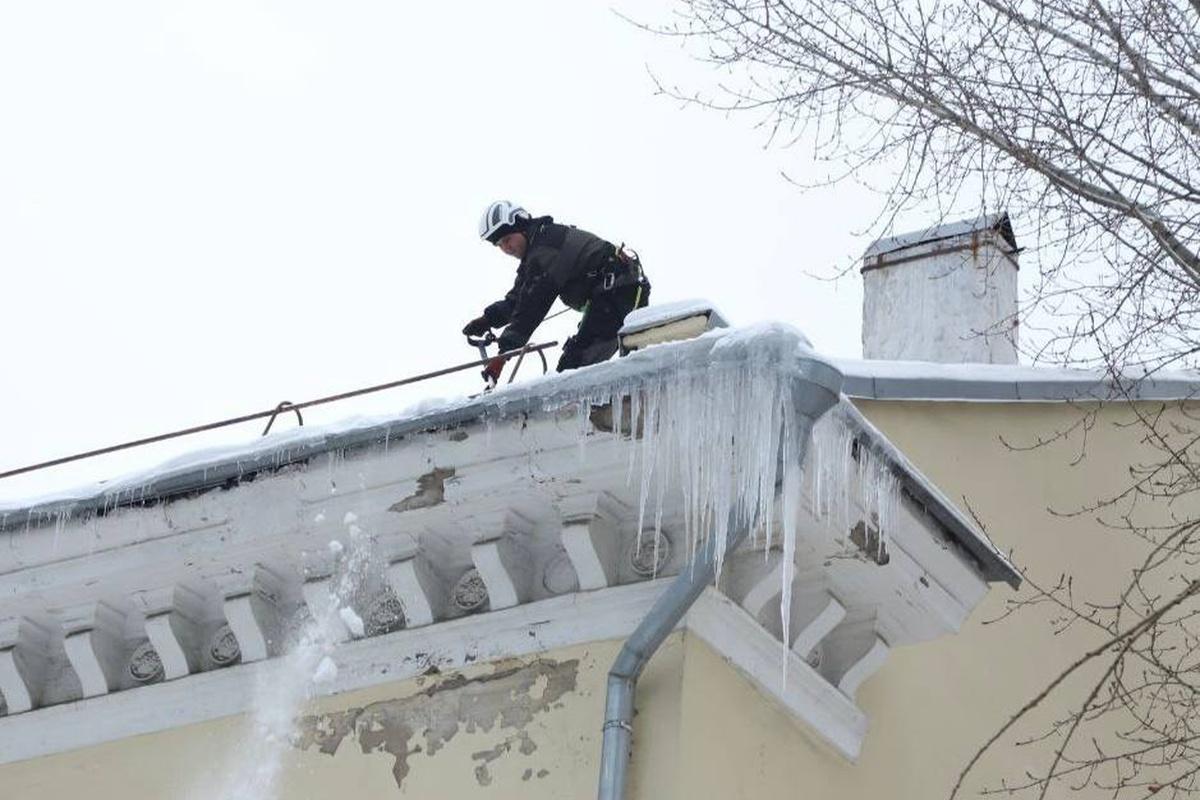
x=651 y=316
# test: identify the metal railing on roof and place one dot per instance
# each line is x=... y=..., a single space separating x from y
x=285 y=407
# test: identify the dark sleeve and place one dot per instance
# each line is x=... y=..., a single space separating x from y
x=534 y=296
x=500 y=312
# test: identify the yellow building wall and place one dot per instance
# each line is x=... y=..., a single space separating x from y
x=932 y=705
x=526 y=728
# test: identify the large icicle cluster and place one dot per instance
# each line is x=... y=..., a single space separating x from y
x=724 y=432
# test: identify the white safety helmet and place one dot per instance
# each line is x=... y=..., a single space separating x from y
x=500 y=219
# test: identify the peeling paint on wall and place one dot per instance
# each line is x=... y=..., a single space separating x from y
x=506 y=701
x=431 y=491
x=868 y=539
x=524 y=744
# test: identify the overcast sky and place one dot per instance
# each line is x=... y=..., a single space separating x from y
x=209 y=207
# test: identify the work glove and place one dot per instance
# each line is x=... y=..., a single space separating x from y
x=477 y=327
x=491 y=373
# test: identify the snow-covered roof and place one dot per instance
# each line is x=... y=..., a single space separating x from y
x=772 y=344
x=922 y=380
x=988 y=222
x=218 y=466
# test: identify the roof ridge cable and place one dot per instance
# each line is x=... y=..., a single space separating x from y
x=272 y=412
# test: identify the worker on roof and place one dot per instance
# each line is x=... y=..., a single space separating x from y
x=589 y=274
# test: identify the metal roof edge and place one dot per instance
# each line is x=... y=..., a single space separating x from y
x=1008 y=385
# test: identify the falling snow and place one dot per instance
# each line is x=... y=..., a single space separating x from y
x=353 y=620
x=283 y=686
x=327 y=671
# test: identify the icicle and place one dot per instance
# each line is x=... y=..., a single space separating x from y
x=583 y=423
x=615 y=402
x=60 y=522
x=792 y=448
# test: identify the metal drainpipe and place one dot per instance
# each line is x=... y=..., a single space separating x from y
x=641 y=644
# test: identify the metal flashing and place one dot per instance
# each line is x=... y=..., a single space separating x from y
x=998 y=223
x=879 y=262
x=893 y=380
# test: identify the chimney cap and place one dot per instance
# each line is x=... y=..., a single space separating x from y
x=998 y=223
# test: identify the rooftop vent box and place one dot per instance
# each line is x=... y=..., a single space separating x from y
x=670 y=322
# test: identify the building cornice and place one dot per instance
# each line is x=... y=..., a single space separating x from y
x=528 y=630
x=476 y=537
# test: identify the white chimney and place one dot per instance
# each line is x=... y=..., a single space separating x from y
x=945 y=294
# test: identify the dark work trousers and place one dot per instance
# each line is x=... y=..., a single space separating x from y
x=596 y=339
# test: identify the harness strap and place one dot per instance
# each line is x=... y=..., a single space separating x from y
x=622 y=268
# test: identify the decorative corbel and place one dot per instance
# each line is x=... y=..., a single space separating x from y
x=25 y=646
x=502 y=559
x=590 y=537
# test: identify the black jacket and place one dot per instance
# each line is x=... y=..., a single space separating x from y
x=560 y=261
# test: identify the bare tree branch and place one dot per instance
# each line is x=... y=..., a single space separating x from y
x=1082 y=119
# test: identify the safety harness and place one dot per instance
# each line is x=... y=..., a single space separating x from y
x=622 y=268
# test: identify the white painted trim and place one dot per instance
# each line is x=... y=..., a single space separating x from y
x=947 y=606
x=864 y=668
x=589 y=535
x=526 y=629
x=733 y=633
x=829 y=616
x=251 y=636
x=83 y=651
x=505 y=569
x=170 y=652
x=95 y=645
x=18 y=695
x=419 y=588
x=767 y=587
x=592 y=552
x=155 y=601
x=24 y=645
